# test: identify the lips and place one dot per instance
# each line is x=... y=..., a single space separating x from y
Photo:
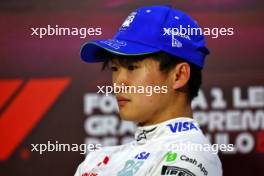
x=122 y=100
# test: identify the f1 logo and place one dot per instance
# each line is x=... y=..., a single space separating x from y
x=22 y=105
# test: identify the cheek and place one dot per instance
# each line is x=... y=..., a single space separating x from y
x=153 y=101
x=147 y=107
x=114 y=79
x=147 y=79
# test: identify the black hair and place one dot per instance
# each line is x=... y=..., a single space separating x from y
x=167 y=63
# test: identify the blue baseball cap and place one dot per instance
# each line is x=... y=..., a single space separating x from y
x=152 y=29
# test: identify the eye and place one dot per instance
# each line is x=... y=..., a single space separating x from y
x=131 y=67
x=113 y=68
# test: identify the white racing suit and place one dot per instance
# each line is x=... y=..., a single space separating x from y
x=174 y=147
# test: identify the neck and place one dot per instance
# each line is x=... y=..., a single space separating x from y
x=179 y=107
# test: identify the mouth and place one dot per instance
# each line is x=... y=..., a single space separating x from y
x=122 y=100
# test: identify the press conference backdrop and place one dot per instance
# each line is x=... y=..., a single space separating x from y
x=48 y=94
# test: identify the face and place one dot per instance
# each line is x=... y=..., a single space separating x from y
x=138 y=106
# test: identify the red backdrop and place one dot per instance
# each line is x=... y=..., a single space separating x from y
x=45 y=89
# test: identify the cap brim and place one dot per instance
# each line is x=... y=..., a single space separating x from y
x=92 y=51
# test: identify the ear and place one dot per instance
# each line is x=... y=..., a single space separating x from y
x=180 y=75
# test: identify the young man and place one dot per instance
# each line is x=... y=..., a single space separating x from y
x=146 y=52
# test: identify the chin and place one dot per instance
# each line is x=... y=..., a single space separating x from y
x=129 y=117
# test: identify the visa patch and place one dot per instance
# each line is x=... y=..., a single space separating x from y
x=182 y=126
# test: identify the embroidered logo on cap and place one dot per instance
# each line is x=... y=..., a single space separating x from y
x=128 y=21
x=116 y=44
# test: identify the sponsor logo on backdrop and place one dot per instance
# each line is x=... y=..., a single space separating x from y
x=102 y=124
x=22 y=105
x=238 y=121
